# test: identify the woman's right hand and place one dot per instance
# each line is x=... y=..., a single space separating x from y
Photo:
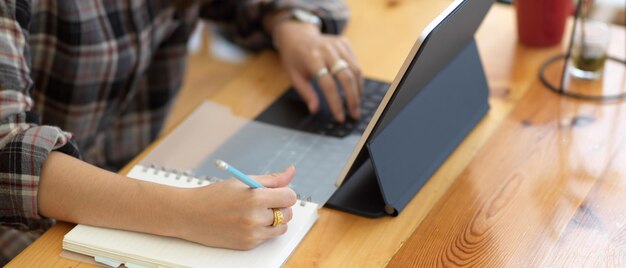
x=229 y=214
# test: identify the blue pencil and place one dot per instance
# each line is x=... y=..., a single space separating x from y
x=240 y=176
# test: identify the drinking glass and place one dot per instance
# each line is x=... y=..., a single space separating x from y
x=589 y=51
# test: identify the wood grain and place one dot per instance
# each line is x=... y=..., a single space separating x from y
x=382 y=32
x=44 y=252
x=249 y=87
x=535 y=189
x=336 y=230
x=596 y=234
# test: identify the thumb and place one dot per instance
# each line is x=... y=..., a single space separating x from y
x=276 y=180
x=305 y=90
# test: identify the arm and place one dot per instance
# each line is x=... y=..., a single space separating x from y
x=24 y=144
x=225 y=214
x=74 y=191
x=243 y=20
x=39 y=180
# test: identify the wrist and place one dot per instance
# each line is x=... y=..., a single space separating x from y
x=165 y=208
x=191 y=208
x=176 y=207
x=290 y=30
x=277 y=22
x=273 y=19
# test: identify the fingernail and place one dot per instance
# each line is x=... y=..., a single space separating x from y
x=341 y=118
x=311 y=107
x=357 y=112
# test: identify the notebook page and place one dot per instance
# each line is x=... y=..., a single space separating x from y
x=173 y=252
x=153 y=250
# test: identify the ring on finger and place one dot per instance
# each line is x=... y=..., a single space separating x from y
x=339 y=66
x=279 y=218
x=321 y=72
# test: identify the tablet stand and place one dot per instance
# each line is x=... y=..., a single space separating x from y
x=401 y=157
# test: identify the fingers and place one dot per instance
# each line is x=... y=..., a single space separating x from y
x=287 y=216
x=345 y=77
x=277 y=197
x=276 y=180
x=248 y=215
x=265 y=230
x=267 y=218
x=351 y=91
x=277 y=194
x=328 y=86
x=314 y=59
x=242 y=216
x=333 y=53
x=305 y=90
x=270 y=231
x=346 y=52
x=261 y=229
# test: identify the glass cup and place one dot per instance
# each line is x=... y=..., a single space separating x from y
x=589 y=51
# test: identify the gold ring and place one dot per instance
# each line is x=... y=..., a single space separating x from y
x=321 y=72
x=278 y=217
x=339 y=66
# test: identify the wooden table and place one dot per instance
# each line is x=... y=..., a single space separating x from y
x=538 y=182
x=547 y=188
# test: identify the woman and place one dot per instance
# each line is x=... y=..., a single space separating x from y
x=86 y=85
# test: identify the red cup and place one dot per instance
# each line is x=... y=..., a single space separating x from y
x=540 y=23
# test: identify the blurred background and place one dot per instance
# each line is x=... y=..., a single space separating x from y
x=613 y=10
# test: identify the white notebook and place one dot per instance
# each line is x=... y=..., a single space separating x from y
x=114 y=247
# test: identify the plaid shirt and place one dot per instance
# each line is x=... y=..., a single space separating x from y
x=97 y=77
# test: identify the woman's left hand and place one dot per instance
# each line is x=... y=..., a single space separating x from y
x=308 y=54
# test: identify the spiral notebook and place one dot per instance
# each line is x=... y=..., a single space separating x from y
x=115 y=247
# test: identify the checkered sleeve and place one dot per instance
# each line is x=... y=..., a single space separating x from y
x=242 y=19
x=24 y=144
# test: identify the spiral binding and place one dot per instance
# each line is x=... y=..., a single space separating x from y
x=200 y=180
x=178 y=175
x=302 y=200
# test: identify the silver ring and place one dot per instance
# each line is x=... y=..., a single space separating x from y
x=321 y=72
x=339 y=66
